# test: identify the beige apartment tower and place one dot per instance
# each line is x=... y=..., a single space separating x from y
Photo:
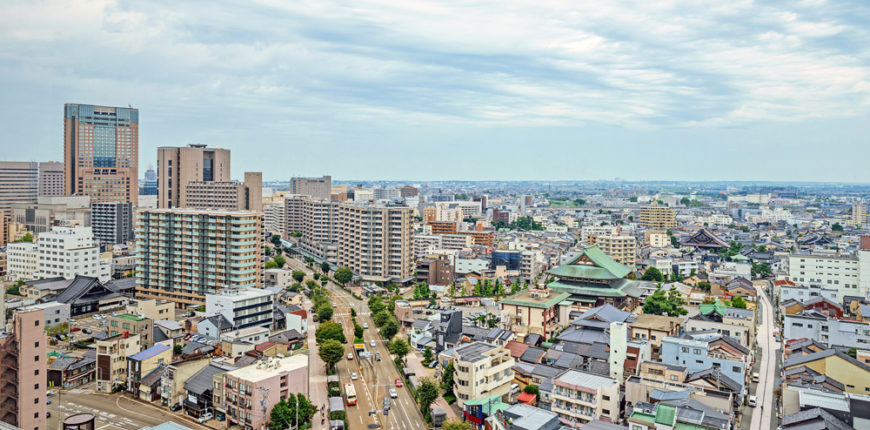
x=101 y=152
x=19 y=183
x=51 y=179
x=179 y=166
x=244 y=196
x=622 y=249
x=24 y=376
x=316 y=188
x=185 y=254
x=658 y=217
x=318 y=223
x=375 y=241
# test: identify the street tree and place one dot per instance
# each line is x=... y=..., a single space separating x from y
x=280 y=260
x=343 y=275
x=329 y=330
x=652 y=274
x=330 y=351
x=389 y=329
x=399 y=347
x=427 y=392
x=298 y=275
x=324 y=267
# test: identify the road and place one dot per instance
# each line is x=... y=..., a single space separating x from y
x=763 y=414
x=113 y=412
x=375 y=378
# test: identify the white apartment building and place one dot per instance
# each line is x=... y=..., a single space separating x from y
x=580 y=397
x=22 y=260
x=426 y=243
x=67 y=252
x=275 y=218
x=841 y=273
x=386 y=193
x=242 y=307
x=457 y=241
x=530 y=265
x=363 y=195
x=588 y=232
x=482 y=370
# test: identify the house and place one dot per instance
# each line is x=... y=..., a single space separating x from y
x=657 y=380
x=579 y=398
x=141 y=364
x=527 y=417
x=214 y=326
x=253 y=335
x=40 y=288
x=734 y=322
x=815 y=418
x=171 y=329
x=654 y=328
x=112 y=353
x=199 y=389
x=71 y=372
x=149 y=385
x=854 y=374
x=813 y=324
x=536 y=311
x=292 y=339
x=677 y=414
x=701 y=351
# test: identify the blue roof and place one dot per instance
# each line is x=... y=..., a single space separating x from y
x=150 y=352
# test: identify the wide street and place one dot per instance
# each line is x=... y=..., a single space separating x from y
x=763 y=414
x=112 y=412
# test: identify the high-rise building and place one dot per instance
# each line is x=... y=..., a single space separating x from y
x=51 y=179
x=178 y=166
x=375 y=241
x=622 y=249
x=185 y=254
x=386 y=193
x=659 y=217
x=112 y=222
x=24 y=376
x=316 y=188
x=101 y=152
x=149 y=184
x=243 y=308
x=246 y=196
x=317 y=221
x=408 y=191
x=859 y=213
x=68 y=252
x=19 y=183
x=51 y=211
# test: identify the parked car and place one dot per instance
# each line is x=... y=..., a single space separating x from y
x=372 y=343
x=350 y=356
x=753 y=401
x=399 y=382
x=393 y=393
x=176 y=407
x=353 y=376
x=87 y=331
x=48 y=414
x=755 y=376
x=365 y=325
x=378 y=356
x=386 y=405
x=205 y=417
x=75 y=329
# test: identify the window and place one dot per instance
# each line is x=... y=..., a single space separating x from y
x=36 y=323
x=36 y=401
x=696 y=351
x=735 y=369
x=673 y=377
x=35 y=386
x=36 y=344
x=684 y=349
x=36 y=372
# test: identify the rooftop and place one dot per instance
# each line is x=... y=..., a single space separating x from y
x=574 y=378
x=130 y=317
x=474 y=351
x=533 y=299
x=265 y=369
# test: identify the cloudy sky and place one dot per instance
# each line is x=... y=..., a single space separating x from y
x=420 y=90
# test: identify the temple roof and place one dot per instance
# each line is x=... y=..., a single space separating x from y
x=704 y=238
x=592 y=263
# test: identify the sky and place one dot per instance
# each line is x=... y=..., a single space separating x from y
x=464 y=90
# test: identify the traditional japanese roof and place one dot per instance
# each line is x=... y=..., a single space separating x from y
x=592 y=263
x=704 y=238
x=600 y=317
x=617 y=288
x=709 y=308
x=84 y=288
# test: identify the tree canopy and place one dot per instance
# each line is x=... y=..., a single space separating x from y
x=399 y=347
x=296 y=409
x=329 y=330
x=652 y=274
x=662 y=303
x=427 y=392
x=330 y=351
x=738 y=302
x=280 y=260
x=298 y=275
x=324 y=267
x=343 y=275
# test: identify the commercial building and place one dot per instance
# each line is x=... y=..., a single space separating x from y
x=657 y=217
x=68 y=252
x=481 y=370
x=859 y=213
x=152 y=308
x=622 y=249
x=375 y=241
x=185 y=254
x=23 y=355
x=386 y=193
x=443 y=227
x=128 y=324
x=142 y=363
x=49 y=211
x=19 y=183
x=435 y=270
x=112 y=222
x=51 y=179
x=535 y=311
x=252 y=391
x=242 y=307
x=580 y=398
x=826 y=330
x=101 y=152
x=481 y=237
x=589 y=233
x=425 y=244
x=316 y=188
x=245 y=196
x=408 y=191
x=22 y=260
x=179 y=166
x=456 y=241
x=842 y=273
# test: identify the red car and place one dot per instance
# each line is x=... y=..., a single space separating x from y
x=399 y=382
x=75 y=329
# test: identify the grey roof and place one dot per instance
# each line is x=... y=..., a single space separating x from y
x=668 y=365
x=602 y=425
x=80 y=286
x=286 y=336
x=526 y=417
x=584 y=379
x=568 y=360
x=220 y=322
x=159 y=335
x=420 y=324
x=154 y=376
x=722 y=378
x=122 y=285
x=533 y=339
x=168 y=324
x=801 y=359
x=545 y=371
x=62 y=363
x=49 y=284
x=532 y=355
x=192 y=347
x=659 y=395
x=815 y=418
x=601 y=317
x=473 y=351
x=202 y=381
x=583 y=336
x=336 y=404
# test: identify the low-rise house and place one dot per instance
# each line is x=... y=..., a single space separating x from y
x=112 y=353
x=526 y=417
x=171 y=329
x=132 y=324
x=677 y=414
x=702 y=351
x=828 y=331
x=71 y=372
x=251 y=389
x=291 y=339
x=727 y=321
x=854 y=374
x=155 y=309
x=40 y=288
x=579 y=398
x=235 y=349
x=535 y=311
x=214 y=326
x=199 y=389
x=656 y=380
x=141 y=364
x=481 y=369
x=654 y=328
x=253 y=335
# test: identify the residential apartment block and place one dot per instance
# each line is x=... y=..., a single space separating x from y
x=245 y=196
x=252 y=391
x=112 y=353
x=375 y=241
x=23 y=380
x=101 y=152
x=19 y=183
x=179 y=166
x=580 y=398
x=481 y=370
x=185 y=254
x=112 y=222
x=315 y=188
x=67 y=252
x=657 y=217
x=318 y=223
x=242 y=307
x=622 y=249
x=51 y=179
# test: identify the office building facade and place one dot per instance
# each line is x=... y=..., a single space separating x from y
x=68 y=252
x=185 y=254
x=112 y=222
x=51 y=179
x=178 y=166
x=243 y=308
x=316 y=188
x=101 y=152
x=51 y=211
x=19 y=183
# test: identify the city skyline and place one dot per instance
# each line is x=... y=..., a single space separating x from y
x=425 y=91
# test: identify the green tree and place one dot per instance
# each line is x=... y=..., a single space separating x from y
x=738 y=302
x=447 y=378
x=579 y=202
x=456 y=424
x=852 y=352
x=761 y=269
x=26 y=238
x=324 y=267
x=298 y=275
x=662 y=303
x=357 y=330
x=176 y=350
x=427 y=354
x=399 y=347
x=389 y=329
x=279 y=260
x=652 y=274
x=324 y=312
x=532 y=389
x=311 y=284
x=343 y=275
x=281 y=416
x=276 y=240
x=269 y=251
x=381 y=318
x=426 y=393
x=13 y=290
x=271 y=265
x=376 y=304
x=330 y=351
x=836 y=227
x=329 y=330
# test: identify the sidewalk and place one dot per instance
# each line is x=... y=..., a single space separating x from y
x=415 y=363
x=317 y=389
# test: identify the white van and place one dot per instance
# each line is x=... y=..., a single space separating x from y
x=515 y=388
x=752 y=401
x=755 y=377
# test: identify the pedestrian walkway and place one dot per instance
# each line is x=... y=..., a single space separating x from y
x=317 y=388
x=415 y=363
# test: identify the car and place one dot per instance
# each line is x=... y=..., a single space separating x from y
x=176 y=407
x=755 y=376
x=96 y=317
x=48 y=414
x=87 y=331
x=351 y=305
x=433 y=364
x=399 y=382
x=49 y=393
x=75 y=329
x=393 y=393
x=365 y=325
x=753 y=401
x=353 y=376
x=350 y=356
x=378 y=356
x=372 y=343
x=205 y=417
x=386 y=405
